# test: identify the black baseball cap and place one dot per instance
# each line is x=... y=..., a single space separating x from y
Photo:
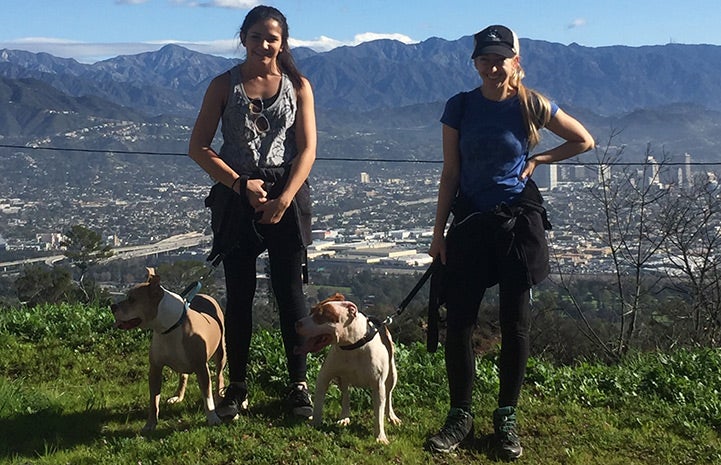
x=496 y=39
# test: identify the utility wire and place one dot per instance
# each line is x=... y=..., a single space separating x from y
x=342 y=159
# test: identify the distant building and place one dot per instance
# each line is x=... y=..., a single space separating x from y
x=553 y=176
x=711 y=181
x=604 y=174
x=49 y=241
x=655 y=171
x=687 y=166
x=365 y=178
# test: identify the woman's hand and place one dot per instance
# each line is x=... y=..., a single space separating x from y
x=272 y=210
x=438 y=248
x=528 y=170
x=256 y=193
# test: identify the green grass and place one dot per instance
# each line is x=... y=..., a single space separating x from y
x=73 y=391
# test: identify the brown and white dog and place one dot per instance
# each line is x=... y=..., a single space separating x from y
x=361 y=355
x=184 y=338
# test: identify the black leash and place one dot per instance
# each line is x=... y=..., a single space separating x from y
x=433 y=266
x=192 y=289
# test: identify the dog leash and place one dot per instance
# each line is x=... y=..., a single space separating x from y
x=193 y=288
x=402 y=306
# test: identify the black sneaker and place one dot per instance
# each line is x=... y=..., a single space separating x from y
x=235 y=400
x=458 y=426
x=508 y=445
x=297 y=401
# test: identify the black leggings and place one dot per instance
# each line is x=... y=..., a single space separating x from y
x=514 y=315
x=287 y=283
x=479 y=254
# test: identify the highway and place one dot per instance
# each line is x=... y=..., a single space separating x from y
x=179 y=241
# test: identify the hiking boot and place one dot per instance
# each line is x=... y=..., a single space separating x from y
x=297 y=401
x=508 y=445
x=235 y=400
x=458 y=426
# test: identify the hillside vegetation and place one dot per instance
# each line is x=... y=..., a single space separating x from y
x=73 y=390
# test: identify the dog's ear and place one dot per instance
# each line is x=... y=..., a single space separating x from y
x=337 y=297
x=352 y=309
x=153 y=278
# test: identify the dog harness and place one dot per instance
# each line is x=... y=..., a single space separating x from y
x=371 y=331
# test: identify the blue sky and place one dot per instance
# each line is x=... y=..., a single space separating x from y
x=91 y=30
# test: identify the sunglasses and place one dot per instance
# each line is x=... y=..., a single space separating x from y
x=260 y=121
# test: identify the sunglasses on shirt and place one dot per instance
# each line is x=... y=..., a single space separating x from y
x=258 y=118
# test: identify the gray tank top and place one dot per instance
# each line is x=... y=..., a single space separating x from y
x=246 y=148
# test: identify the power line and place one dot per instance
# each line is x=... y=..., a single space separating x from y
x=339 y=159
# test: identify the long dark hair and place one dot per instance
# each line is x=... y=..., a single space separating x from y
x=285 y=58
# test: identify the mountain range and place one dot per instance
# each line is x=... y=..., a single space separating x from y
x=373 y=100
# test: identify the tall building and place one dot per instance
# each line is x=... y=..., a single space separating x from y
x=655 y=171
x=604 y=173
x=364 y=178
x=553 y=176
x=687 y=166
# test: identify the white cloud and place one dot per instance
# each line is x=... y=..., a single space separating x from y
x=231 y=4
x=578 y=22
x=369 y=36
x=323 y=43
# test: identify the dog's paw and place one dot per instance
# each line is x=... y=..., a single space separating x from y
x=382 y=440
x=214 y=419
x=149 y=427
x=174 y=400
x=343 y=422
x=394 y=420
x=316 y=422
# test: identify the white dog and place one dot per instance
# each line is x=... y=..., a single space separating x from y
x=361 y=355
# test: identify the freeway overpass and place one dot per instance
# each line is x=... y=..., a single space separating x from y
x=179 y=241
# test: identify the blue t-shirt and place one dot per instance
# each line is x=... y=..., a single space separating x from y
x=493 y=144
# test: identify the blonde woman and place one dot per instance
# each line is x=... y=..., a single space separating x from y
x=497 y=235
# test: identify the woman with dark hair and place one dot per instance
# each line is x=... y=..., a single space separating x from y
x=497 y=234
x=261 y=197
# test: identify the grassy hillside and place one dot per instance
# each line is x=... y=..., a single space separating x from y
x=73 y=390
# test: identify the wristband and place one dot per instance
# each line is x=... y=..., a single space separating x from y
x=235 y=181
x=243 y=180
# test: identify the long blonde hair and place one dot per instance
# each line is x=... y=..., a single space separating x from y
x=535 y=107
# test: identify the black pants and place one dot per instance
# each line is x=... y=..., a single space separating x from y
x=480 y=254
x=286 y=279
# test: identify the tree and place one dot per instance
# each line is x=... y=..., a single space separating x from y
x=84 y=248
x=629 y=201
x=691 y=219
x=38 y=284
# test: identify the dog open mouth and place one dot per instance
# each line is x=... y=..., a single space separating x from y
x=315 y=344
x=128 y=324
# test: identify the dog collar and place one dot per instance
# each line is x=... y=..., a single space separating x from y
x=172 y=311
x=371 y=331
